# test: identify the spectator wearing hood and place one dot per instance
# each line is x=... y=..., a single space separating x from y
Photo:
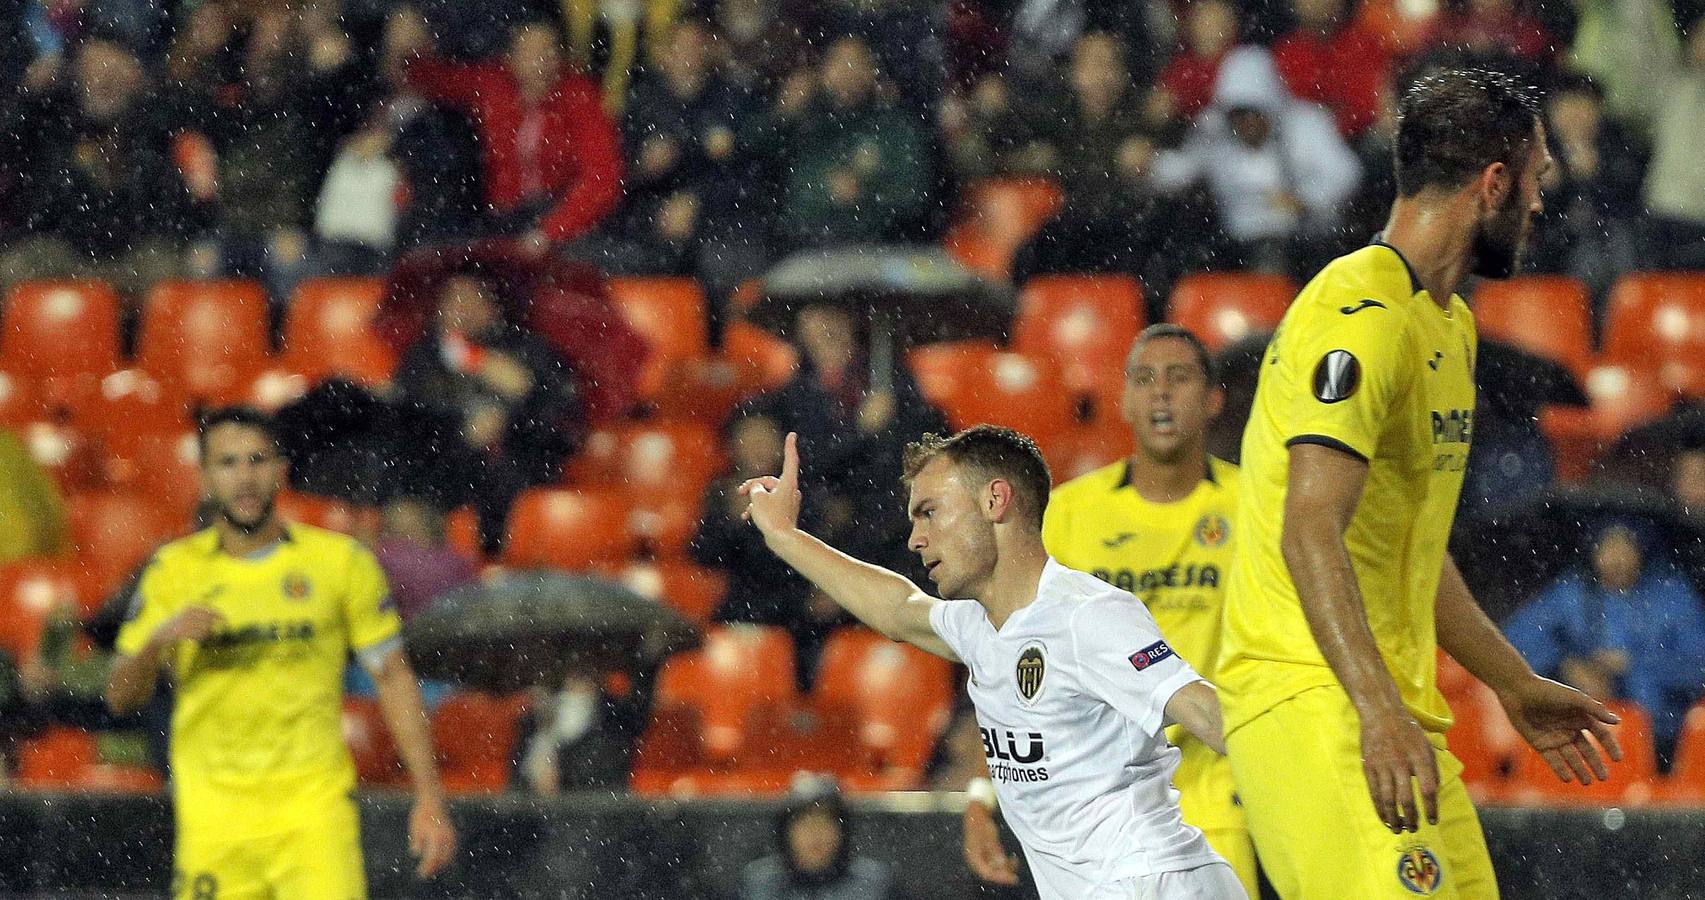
x=814 y=859
x=1276 y=166
x=1627 y=626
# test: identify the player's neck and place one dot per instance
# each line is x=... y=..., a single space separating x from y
x=1435 y=235
x=1014 y=582
x=1163 y=481
x=239 y=542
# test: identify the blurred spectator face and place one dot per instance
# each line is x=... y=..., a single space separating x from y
x=242 y=472
x=465 y=306
x=1575 y=113
x=1210 y=28
x=406 y=33
x=688 y=52
x=1318 y=15
x=107 y=78
x=743 y=21
x=1098 y=66
x=755 y=446
x=814 y=840
x=849 y=72
x=1249 y=125
x=1616 y=559
x=1168 y=400
x=826 y=336
x=534 y=54
x=1687 y=481
x=415 y=521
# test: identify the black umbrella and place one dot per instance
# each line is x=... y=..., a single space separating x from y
x=911 y=295
x=531 y=628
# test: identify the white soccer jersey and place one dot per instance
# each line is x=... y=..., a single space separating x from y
x=1071 y=696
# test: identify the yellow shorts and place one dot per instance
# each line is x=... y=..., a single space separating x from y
x=1299 y=772
x=1208 y=798
x=320 y=858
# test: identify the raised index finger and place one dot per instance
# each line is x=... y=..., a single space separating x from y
x=790 y=461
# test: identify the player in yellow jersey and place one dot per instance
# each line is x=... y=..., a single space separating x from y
x=255 y=619
x=1159 y=524
x=1341 y=587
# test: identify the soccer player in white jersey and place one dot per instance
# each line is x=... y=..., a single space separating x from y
x=1072 y=681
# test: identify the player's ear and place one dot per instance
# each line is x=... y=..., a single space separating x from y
x=1494 y=186
x=1216 y=402
x=998 y=500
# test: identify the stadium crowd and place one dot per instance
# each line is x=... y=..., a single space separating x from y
x=544 y=219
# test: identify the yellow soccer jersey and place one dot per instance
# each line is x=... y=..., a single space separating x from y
x=257 y=718
x=1173 y=556
x=1366 y=362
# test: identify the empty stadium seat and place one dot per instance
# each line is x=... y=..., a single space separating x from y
x=1621 y=396
x=671 y=457
x=1549 y=316
x=974 y=382
x=64 y=451
x=1482 y=739
x=706 y=388
x=1657 y=321
x=1087 y=446
x=1686 y=783
x=670 y=750
x=115 y=530
x=1225 y=307
x=205 y=340
x=462 y=532
x=1087 y=323
x=826 y=739
x=60 y=328
x=276 y=387
x=670 y=314
x=30 y=590
x=692 y=590
x=128 y=408
x=474 y=734
x=327 y=331
x=166 y=468
x=1000 y=215
x=1632 y=781
x=568 y=529
x=57 y=757
x=865 y=672
x=738 y=668
x=328 y=513
x=19 y=402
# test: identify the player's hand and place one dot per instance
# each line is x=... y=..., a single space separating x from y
x=193 y=624
x=988 y=860
x=773 y=502
x=1397 y=759
x=431 y=837
x=1555 y=719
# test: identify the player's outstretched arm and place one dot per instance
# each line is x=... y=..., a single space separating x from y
x=1196 y=706
x=432 y=838
x=1553 y=717
x=884 y=600
x=1322 y=492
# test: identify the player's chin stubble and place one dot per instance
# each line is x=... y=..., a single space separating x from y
x=231 y=519
x=1498 y=243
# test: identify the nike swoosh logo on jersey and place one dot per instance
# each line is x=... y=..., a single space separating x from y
x=1365 y=304
x=1118 y=540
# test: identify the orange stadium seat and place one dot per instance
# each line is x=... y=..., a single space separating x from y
x=19 y=401
x=706 y=388
x=1547 y=315
x=370 y=742
x=327 y=331
x=30 y=590
x=865 y=672
x=786 y=741
x=670 y=314
x=1633 y=780
x=462 y=532
x=670 y=751
x=57 y=758
x=738 y=668
x=1000 y=215
x=1622 y=397
x=1657 y=321
x=974 y=382
x=166 y=468
x=206 y=340
x=474 y=734
x=1686 y=783
x=1481 y=739
x=328 y=513
x=1087 y=446
x=690 y=589
x=128 y=408
x=63 y=450
x=671 y=457
x=60 y=328
x=1222 y=308
x=560 y=528
x=114 y=531
x=1087 y=322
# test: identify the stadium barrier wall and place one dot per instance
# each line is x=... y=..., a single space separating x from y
x=623 y=848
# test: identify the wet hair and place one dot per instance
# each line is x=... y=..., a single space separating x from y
x=246 y=416
x=1453 y=123
x=1210 y=366
x=995 y=452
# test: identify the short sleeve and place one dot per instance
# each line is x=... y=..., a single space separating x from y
x=150 y=607
x=1122 y=659
x=368 y=610
x=953 y=621
x=1351 y=368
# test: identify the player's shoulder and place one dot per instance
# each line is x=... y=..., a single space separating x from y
x=1090 y=486
x=1371 y=287
x=189 y=550
x=315 y=540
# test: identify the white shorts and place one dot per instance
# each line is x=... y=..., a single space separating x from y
x=1214 y=881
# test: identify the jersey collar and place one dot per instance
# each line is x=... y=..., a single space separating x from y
x=1125 y=474
x=1414 y=280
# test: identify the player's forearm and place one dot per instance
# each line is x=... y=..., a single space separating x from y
x=131 y=682
x=1326 y=585
x=874 y=595
x=1196 y=706
x=1472 y=638
x=405 y=715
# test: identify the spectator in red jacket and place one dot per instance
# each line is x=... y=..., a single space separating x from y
x=553 y=159
x=1492 y=27
x=1210 y=29
x=1336 y=61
